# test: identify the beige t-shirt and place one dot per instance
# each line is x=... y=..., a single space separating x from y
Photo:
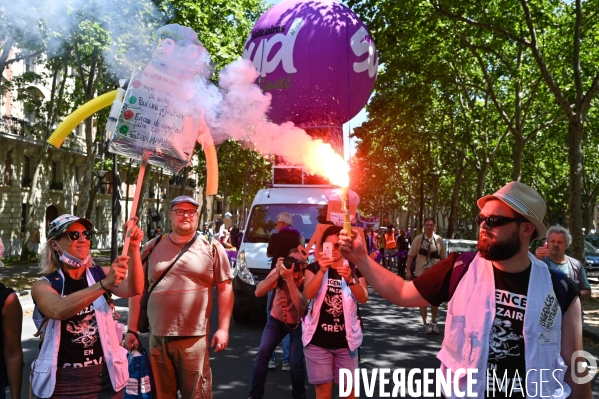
x=181 y=303
x=423 y=262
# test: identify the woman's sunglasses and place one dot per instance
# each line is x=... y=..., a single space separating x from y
x=74 y=235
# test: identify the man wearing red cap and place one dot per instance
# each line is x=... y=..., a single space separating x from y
x=509 y=317
x=179 y=306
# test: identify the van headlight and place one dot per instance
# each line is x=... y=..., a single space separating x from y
x=243 y=271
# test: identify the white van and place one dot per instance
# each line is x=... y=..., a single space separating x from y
x=307 y=206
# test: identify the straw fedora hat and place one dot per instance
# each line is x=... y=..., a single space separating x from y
x=524 y=200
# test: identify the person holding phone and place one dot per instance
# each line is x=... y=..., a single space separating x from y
x=284 y=320
x=332 y=329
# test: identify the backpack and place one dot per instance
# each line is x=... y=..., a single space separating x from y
x=461 y=265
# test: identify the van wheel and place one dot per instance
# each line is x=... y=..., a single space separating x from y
x=240 y=317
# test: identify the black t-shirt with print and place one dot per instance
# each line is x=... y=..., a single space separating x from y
x=330 y=332
x=79 y=338
x=506 y=342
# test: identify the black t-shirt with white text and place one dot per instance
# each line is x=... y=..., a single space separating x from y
x=506 y=342
x=79 y=338
x=330 y=332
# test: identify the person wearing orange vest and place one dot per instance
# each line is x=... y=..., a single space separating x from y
x=390 y=247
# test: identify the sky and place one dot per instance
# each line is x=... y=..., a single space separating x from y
x=356 y=121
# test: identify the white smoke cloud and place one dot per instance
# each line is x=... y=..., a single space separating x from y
x=49 y=24
x=237 y=110
x=240 y=111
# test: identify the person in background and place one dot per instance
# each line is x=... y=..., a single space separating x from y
x=390 y=247
x=288 y=307
x=428 y=249
x=11 y=351
x=553 y=253
x=403 y=246
x=279 y=245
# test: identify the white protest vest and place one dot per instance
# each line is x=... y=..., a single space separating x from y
x=43 y=369
x=353 y=331
x=470 y=315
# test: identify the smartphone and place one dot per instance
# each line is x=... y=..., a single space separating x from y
x=327 y=248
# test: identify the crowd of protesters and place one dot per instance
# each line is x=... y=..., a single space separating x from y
x=315 y=304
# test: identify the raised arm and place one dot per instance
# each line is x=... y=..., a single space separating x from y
x=312 y=282
x=387 y=284
x=52 y=305
x=270 y=282
x=297 y=298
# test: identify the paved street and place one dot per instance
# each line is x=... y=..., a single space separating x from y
x=392 y=340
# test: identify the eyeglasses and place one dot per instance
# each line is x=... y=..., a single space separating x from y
x=496 y=221
x=181 y=212
x=75 y=235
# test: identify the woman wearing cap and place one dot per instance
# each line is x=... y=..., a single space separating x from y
x=332 y=330
x=80 y=355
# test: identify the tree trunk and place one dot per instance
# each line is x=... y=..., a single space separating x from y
x=455 y=199
x=517 y=155
x=434 y=191
x=575 y=131
x=90 y=159
x=30 y=200
x=587 y=217
x=92 y=200
x=480 y=189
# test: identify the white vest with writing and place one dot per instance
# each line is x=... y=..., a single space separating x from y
x=353 y=330
x=43 y=369
x=470 y=315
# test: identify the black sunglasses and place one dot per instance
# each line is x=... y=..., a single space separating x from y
x=496 y=221
x=74 y=235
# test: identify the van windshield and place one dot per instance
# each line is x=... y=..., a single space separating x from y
x=263 y=217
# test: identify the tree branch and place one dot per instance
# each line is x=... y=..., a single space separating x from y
x=491 y=91
x=502 y=32
x=559 y=96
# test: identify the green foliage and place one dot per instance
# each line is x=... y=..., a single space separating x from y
x=222 y=25
x=463 y=104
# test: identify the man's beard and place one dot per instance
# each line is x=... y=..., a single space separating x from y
x=491 y=249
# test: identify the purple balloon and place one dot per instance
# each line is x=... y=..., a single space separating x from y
x=316 y=58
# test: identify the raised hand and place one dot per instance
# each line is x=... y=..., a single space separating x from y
x=136 y=235
x=117 y=273
x=352 y=248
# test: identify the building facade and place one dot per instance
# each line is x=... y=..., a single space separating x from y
x=62 y=170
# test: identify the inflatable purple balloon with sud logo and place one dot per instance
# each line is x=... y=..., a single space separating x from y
x=318 y=61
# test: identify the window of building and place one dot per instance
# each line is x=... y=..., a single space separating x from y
x=219 y=207
x=26 y=178
x=55 y=172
